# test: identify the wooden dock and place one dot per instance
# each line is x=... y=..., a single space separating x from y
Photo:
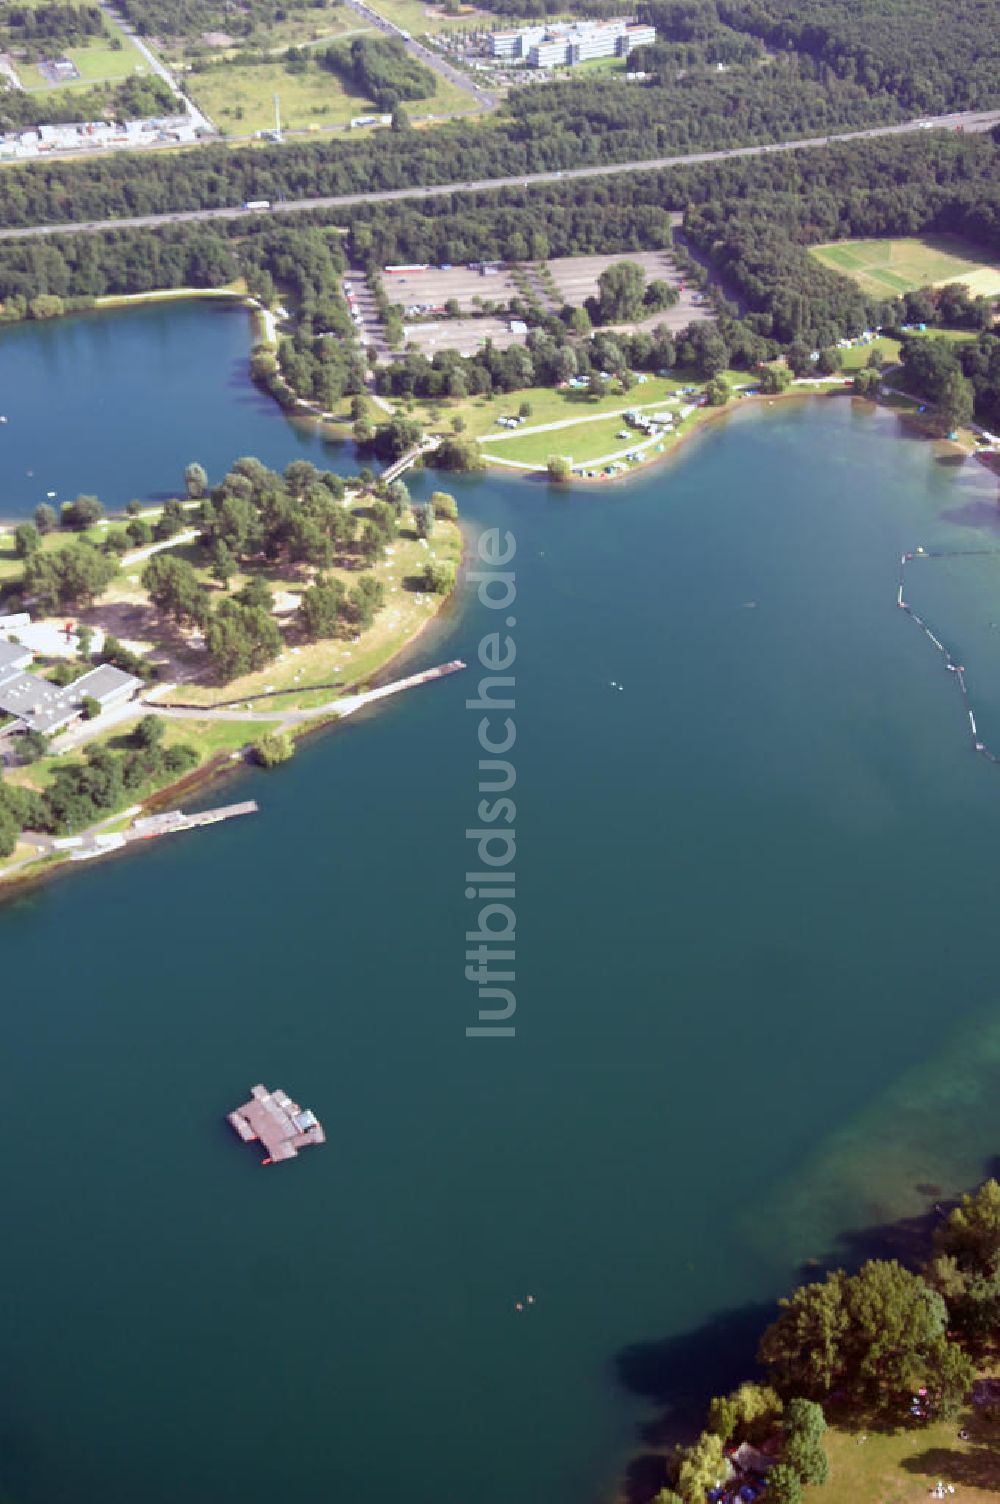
x=283 y=1127
x=175 y=820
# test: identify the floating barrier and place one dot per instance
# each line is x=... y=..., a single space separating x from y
x=957 y=669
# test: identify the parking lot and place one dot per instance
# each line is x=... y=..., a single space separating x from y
x=436 y=286
x=465 y=335
x=576 y=278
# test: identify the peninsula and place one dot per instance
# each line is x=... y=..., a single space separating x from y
x=142 y=654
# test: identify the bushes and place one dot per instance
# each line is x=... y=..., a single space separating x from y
x=272 y=749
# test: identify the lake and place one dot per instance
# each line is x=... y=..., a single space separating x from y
x=755 y=956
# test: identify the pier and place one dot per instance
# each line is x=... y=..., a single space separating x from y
x=174 y=820
x=283 y=1127
x=350 y=703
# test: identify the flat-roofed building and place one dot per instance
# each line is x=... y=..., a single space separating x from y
x=13 y=659
x=39 y=705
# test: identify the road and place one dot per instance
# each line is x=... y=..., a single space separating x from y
x=980 y=121
x=425 y=55
x=198 y=120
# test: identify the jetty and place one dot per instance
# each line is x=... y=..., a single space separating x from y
x=350 y=703
x=272 y=1119
x=174 y=819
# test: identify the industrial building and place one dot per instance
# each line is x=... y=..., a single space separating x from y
x=562 y=45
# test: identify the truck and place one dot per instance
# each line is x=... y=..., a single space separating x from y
x=257 y=203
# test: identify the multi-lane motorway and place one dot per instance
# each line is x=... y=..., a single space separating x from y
x=972 y=121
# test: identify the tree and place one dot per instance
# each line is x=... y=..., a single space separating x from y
x=783 y=1485
x=559 y=468
x=459 y=452
x=82 y=513
x=955 y=403
x=804 y=1428
x=717 y=392
x=321 y=607
x=701 y=1467
x=84 y=640
x=224 y=563
x=423 y=518
x=875 y=1335
x=91 y=708
x=74 y=575
x=439 y=578
x=750 y=1413
x=445 y=506
x=241 y=638
x=139 y=533
x=149 y=733
x=803 y=1348
x=45 y=518
x=26 y=540
x=830 y=361
x=174 y=587
x=774 y=380
x=195 y=480
x=273 y=748
x=621 y=288
x=868 y=382
x=170 y=522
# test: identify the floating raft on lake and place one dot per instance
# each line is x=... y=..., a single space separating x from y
x=274 y=1120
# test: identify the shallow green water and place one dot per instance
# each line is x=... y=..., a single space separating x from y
x=755 y=949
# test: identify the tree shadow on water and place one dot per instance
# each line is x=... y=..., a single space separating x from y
x=681 y=1374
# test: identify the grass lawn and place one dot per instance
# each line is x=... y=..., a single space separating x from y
x=240 y=97
x=903 y=1467
x=857 y=356
x=548 y=405
x=582 y=443
x=889 y=267
x=209 y=739
x=419 y=19
x=97 y=61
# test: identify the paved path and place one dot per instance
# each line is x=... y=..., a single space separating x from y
x=981 y=121
x=197 y=118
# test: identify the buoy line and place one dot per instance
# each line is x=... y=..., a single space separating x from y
x=958 y=669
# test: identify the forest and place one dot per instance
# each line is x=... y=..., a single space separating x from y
x=190 y=18
x=38 y=29
x=381 y=68
x=750 y=219
x=566 y=124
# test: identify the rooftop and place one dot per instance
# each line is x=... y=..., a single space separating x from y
x=274 y=1120
x=46 y=707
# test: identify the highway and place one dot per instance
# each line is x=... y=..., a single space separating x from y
x=973 y=121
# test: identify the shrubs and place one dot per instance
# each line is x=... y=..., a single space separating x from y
x=272 y=749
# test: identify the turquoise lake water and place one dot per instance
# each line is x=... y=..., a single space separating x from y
x=756 y=978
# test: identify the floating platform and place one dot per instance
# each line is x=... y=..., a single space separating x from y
x=283 y=1127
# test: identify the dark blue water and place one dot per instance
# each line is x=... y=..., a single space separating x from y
x=755 y=939
x=116 y=404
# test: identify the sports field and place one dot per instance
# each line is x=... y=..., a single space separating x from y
x=889 y=267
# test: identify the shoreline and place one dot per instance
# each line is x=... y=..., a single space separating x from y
x=224 y=764
x=706 y=417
